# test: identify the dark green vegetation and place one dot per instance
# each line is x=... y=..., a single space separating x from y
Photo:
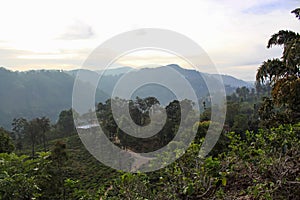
x=256 y=157
x=259 y=165
x=6 y=143
x=265 y=166
x=139 y=110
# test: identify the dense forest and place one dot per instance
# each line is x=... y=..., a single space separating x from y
x=256 y=157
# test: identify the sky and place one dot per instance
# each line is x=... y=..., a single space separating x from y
x=62 y=34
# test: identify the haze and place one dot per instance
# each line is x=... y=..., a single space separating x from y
x=60 y=35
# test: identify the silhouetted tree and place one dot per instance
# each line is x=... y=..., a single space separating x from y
x=18 y=128
x=65 y=123
x=44 y=124
x=283 y=74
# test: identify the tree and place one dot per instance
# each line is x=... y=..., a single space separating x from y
x=297 y=12
x=283 y=75
x=240 y=124
x=65 y=123
x=18 y=128
x=243 y=93
x=44 y=124
x=59 y=157
x=32 y=130
x=6 y=145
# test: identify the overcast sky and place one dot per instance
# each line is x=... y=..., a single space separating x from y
x=61 y=34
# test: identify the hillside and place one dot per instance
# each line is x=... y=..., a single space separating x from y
x=35 y=93
x=195 y=78
x=47 y=92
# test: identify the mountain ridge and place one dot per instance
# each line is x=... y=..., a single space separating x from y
x=38 y=93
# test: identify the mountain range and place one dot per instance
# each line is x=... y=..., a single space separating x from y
x=38 y=93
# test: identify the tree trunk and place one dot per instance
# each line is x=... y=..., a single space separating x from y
x=33 y=143
x=44 y=142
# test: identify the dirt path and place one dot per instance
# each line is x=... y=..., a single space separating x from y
x=139 y=160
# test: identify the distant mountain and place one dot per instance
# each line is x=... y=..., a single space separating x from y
x=252 y=83
x=47 y=92
x=234 y=82
x=111 y=71
x=230 y=82
x=227 y=80
x=115 y=71
x=35 y=93
x=195 y=78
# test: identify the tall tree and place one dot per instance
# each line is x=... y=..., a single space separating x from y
x=59 y=157
x=283 y=74
x=6 y=145
x=44 y=125
x=243 y=93
x=65 y=123
x=18 y=128
x=32 y=129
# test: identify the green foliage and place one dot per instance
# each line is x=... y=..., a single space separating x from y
x=18 y=128
x=31 y=132
x=21 y=177
x=6 y=144
x=240 y=124
x=242 y=111
x=140 y=110
x=283 y=76
x=44 y=177
x=262 y=166
x=65 y=124
x=254 y=164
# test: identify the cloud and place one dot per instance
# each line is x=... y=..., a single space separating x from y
x=244 y=72
x=264 y=7
x=15 y=59
x=77 y=31
x=243 y=36
x=232 y=32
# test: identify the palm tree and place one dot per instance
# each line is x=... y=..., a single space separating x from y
x=283 y=37
x=283 y=74
x=270 y=70
x=297 y=12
